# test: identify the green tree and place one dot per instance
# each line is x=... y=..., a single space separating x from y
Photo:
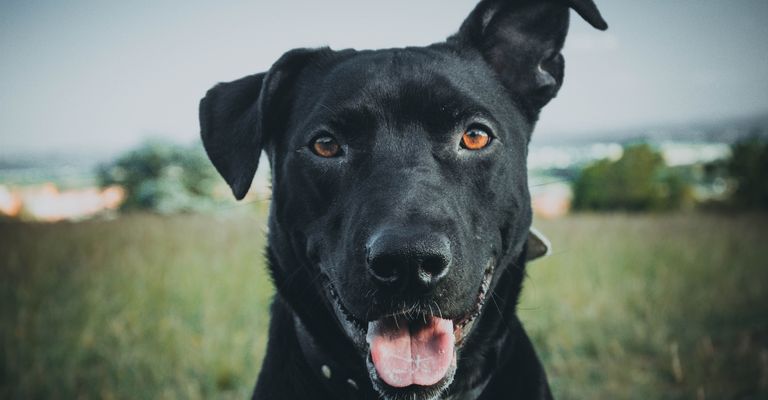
x=162 y=177
x=638 y=181
x=748 y=169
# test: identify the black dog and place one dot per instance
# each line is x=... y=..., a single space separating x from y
x=400 y=206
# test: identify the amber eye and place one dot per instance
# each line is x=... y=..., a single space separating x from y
x=475 y=139
x=325 y=146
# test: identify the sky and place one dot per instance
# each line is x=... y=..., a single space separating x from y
x=84 y=75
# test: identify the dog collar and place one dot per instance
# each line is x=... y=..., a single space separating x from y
x=537 y=245
x=335 y=378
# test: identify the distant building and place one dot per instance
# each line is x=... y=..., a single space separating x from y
x=551 y=200
x=47 y=203
x=10 y=202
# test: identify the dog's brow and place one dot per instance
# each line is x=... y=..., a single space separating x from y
x=352 y=119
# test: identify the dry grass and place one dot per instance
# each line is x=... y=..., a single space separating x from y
x=653 y=307
x=638 y=307
x=141 y=307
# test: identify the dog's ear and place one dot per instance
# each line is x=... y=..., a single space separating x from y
x=537 y=245
x=521 y=40
x=238 y=118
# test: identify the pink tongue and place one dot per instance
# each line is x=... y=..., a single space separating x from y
x=411 y=354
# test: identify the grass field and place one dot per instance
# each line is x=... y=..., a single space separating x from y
x=628 y=307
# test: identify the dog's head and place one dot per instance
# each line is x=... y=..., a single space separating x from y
x=399 y=178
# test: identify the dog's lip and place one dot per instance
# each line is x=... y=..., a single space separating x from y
x=462 y=324
x=465 y=324
x=413 y=391
x=461 y=327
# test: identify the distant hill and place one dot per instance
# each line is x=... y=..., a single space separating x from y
x=716 y=131
x=65 y=169
x=73 y=169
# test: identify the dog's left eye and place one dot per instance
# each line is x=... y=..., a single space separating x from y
x=475 y=138
x=325 y=146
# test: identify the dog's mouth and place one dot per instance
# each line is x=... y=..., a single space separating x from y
x=413 y=353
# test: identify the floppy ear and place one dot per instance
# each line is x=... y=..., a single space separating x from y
x=521 y=40
x=238 y=118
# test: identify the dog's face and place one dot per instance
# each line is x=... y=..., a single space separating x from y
x=399 y=178
x=407 y=188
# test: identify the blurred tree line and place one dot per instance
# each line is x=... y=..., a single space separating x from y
x=168 y=178
x=163 y=177
x=641 y=181
x=747 y=173
x=638 y=181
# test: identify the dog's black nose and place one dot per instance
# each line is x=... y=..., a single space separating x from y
x=404 y=260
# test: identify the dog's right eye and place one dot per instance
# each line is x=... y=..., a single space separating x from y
x=325 y=146
x=475 y=139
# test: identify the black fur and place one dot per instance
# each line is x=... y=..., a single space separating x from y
x=403 y=188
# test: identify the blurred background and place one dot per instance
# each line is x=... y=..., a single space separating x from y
x=127 y=271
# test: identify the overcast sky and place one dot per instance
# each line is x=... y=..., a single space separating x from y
x=93 y=75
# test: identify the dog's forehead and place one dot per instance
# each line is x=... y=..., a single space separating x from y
x=409 y=84
x=386 y=72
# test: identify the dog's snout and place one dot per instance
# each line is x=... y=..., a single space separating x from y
x=408 y=260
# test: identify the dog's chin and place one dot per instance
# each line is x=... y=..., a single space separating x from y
x=457 y=330
x=412 y=392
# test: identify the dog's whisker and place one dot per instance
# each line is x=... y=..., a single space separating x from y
x=493 y=299
x=439 y=311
